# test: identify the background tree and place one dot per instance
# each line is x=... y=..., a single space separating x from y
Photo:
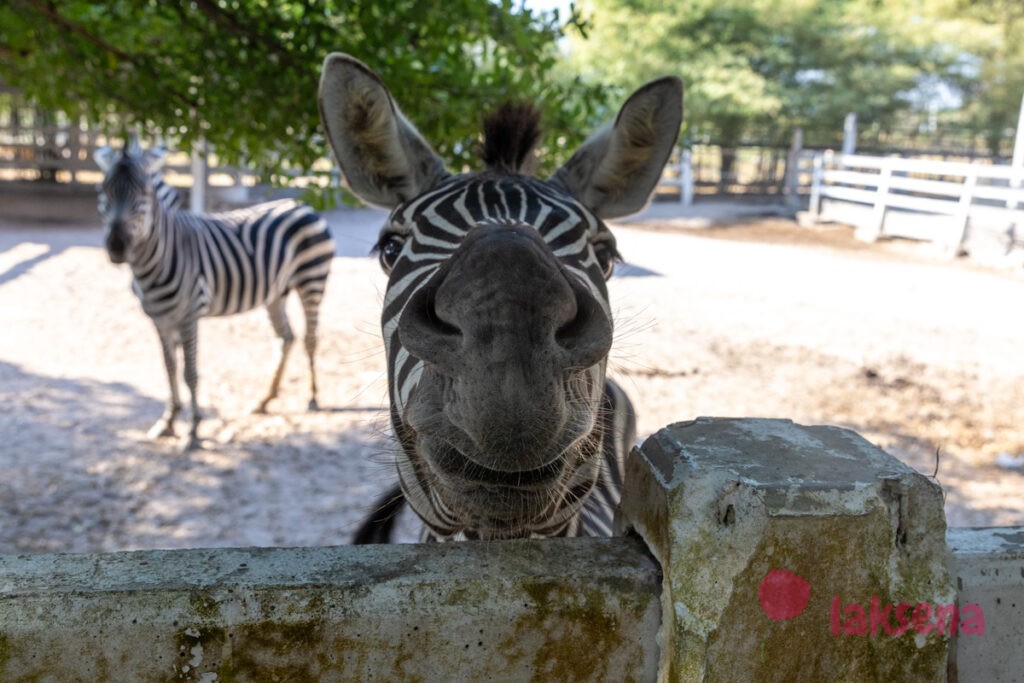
x=759 y=68
x=991 y=69
x=243 y=74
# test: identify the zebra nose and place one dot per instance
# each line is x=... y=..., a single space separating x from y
x=503 y=298
x=116 y=245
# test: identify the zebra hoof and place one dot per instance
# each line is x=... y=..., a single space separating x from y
x=313 y=405
x=162 y=428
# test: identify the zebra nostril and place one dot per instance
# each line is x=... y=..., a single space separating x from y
x=115 y=243
x=587 y=338
x=424 y=334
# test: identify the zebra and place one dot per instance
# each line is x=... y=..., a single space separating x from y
x=187 y=265
x=496 y=320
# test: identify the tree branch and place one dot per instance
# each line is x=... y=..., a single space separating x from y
x=50 y=13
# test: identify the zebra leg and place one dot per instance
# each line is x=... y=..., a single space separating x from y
x=165 y=425
x=189 y=335
x=279 y=319
x=311 y=309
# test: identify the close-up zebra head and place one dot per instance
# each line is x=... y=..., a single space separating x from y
x=126 y=196
x=496 y=319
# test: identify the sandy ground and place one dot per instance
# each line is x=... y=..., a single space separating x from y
x=756 y=318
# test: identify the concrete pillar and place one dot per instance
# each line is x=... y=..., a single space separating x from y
x=791 y=553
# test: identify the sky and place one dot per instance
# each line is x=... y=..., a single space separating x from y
x=561 y=5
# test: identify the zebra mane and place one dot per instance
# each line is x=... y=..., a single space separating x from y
x=127 y=172
x=510 y=135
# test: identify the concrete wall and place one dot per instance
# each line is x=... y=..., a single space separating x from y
x=988 y=568
x=565 y=610
x=780 y=552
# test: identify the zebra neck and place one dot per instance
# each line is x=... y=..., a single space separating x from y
x=166 y=194
x=146 y=254
x=167 y=201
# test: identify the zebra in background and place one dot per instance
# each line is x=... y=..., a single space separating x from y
x=188 y=265
x=496 y=320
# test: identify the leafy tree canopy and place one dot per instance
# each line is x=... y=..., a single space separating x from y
x=243 y=74
x=778 y=64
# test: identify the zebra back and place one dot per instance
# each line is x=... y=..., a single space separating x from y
x=188 y=265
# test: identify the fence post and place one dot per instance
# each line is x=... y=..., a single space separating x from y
x=792 y=190
x=850 y=133
x=686 y=177
x=1017 y=161
x=875 y=225
x=197 y=198
x=1016 y=200
x=792 y=553
x=74 y=145
x=817 y=178
x=962 y=217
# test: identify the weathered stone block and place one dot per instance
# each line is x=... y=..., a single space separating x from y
x=791 y=553
x=558 y=610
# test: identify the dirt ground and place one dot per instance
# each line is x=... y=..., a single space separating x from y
x=760 y=318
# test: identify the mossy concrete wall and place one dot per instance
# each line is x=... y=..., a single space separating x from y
x=790 y=553
x=565 y=610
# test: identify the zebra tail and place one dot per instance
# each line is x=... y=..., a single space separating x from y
x=379 y=526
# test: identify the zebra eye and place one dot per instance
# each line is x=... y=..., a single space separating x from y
x=388 y=248
x=606 y=256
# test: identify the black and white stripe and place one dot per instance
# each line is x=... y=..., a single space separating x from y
x=187 y=265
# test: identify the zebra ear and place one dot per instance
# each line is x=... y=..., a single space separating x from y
x=384 y=158
x=104 y=157
x=154 y=158
x=617 y=168
x=132 y=146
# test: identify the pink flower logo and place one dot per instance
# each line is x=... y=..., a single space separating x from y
x=783 y=594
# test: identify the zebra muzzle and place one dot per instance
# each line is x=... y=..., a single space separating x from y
x=502 y=327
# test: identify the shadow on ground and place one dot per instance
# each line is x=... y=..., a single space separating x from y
x=78 y=474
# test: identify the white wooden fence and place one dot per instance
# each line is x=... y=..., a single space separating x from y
x=956 y=205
